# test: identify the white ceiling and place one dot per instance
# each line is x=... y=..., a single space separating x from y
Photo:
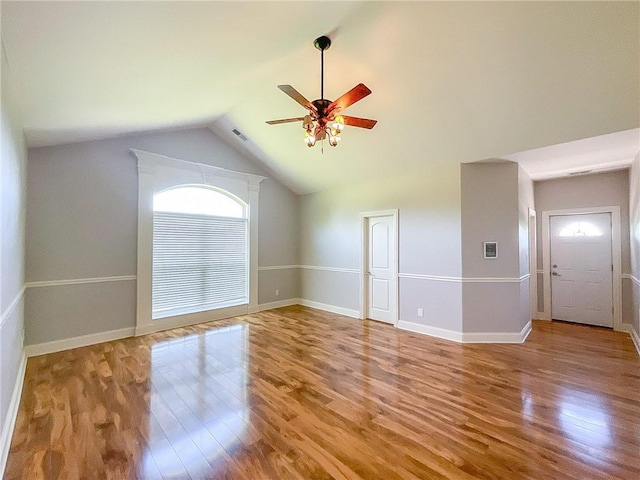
x=451 y=81
x=590 y=155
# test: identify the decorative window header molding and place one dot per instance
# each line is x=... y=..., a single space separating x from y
x=148 y=161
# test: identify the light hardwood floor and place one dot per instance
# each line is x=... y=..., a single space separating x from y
x=299 y=393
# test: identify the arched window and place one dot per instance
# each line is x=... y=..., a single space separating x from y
x=200 y=251
x=199 y=200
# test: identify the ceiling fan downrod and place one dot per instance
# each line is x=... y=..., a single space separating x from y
x=322 y=43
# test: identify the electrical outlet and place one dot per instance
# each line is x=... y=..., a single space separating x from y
x=420 y=312
x=277 y=292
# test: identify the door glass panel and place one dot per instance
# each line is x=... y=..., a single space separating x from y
x=581 y=229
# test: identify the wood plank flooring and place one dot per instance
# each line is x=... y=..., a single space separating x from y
x=296 y=393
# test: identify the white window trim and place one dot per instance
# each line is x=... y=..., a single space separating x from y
x=147 y=166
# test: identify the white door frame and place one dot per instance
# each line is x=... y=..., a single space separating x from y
x=616 y=257
x=364 y=250
x=533 y=264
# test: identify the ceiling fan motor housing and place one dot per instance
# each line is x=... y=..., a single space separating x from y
x=322 y=106
x=322 y=43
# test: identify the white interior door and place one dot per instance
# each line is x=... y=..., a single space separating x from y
x=581 y=268
x=381 y=301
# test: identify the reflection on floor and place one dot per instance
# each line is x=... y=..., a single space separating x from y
x=203 y=377
x=299 y=393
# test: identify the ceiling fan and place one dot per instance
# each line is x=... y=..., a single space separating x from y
x=325 y=117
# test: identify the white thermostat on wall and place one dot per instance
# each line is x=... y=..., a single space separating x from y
x=490 y=249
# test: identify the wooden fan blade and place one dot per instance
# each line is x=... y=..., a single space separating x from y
x=352 y=96
x=285 y=120
x=297 y=96
x=359 y=122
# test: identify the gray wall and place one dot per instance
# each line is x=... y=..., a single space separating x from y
x=82 y=223
x=278 y=242
x=496 y=197
x=429 y=243
x=597 y=190
x=445 y=214
x=633 y=287
x=13 y=161
x=490 y=213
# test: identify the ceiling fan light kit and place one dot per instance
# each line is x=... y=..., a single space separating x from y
x=325 y=119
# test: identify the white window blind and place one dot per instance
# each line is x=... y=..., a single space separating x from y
x=199 y=263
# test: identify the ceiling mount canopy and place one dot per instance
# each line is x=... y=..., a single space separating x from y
x=325 y=119
x=322 y=43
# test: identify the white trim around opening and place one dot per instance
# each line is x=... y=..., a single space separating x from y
x=616 y=257
x=533 y=264
x=364 y=245
x=159 y=172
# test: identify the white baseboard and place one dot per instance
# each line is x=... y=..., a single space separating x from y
x=310 y=303
x=625 y=327
x=253 y=309
x=159 y=325
x=464 y=337
x=191 y=319
x=329 y=308
x=498 y=337
x=636 y=339
x=12 y=415
x=75 y=342
x=279 y=304
x=431 y=331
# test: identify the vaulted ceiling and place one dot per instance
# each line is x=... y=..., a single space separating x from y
x=451 y=81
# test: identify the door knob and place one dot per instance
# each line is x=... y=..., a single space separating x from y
x=556 y=274
x=555 y=266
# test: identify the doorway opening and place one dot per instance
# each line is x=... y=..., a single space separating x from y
x=379 y=266
x=582 y=266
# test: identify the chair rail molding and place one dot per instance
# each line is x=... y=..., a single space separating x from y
x=11 y=307
x=79 y=281
x=439 y=278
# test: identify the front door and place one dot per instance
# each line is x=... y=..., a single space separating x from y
x=581 y=269
x=381 y=302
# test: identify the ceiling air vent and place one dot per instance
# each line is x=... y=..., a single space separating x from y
x=240 y=134
x=583 y=172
